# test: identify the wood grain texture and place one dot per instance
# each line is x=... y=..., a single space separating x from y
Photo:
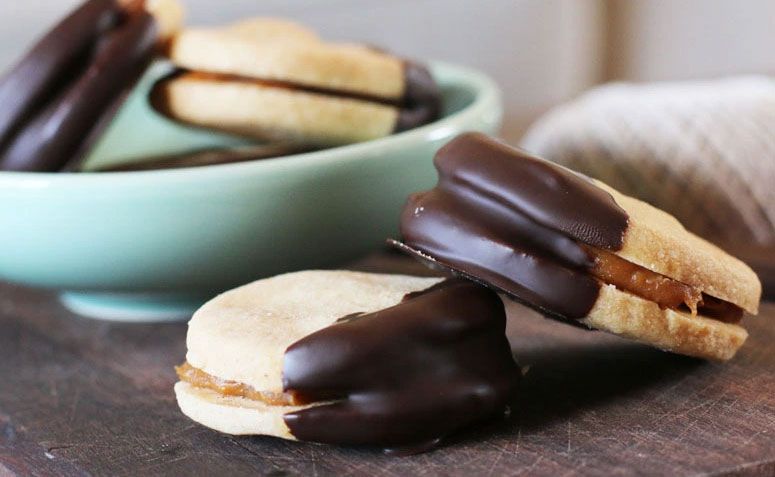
x=82 y=397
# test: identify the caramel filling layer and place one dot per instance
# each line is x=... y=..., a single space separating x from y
x=200 y=379
x=664 y=291
x=228 y=78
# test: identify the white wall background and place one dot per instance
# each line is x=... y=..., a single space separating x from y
x=681 y=39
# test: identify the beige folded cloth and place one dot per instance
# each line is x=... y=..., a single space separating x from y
x=704 y=151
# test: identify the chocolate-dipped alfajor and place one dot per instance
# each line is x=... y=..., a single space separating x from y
x=576 y=249
x=59 y=97
x=271 y=79
x=349 y=358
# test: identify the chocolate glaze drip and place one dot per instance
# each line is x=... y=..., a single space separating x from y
x=405 y=376
x=82 y=101
x=422 y=98
x=508 y=220
x=51 y=61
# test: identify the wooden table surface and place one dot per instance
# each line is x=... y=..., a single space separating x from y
x=79 y=397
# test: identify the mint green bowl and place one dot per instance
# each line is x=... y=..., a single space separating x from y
x=144 y=246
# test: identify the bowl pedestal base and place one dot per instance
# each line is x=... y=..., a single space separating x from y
x=132 y=307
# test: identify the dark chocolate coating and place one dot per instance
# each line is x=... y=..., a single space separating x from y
x=51 y=63
x=514 y=222
x=63 y=130
x=207 y=157
x=546 y=193
x=405 y=376
x=422 y=98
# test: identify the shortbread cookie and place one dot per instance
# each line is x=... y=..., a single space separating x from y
x=577 y=249
x=348 y=358
x=65 y=90
x=274 y=80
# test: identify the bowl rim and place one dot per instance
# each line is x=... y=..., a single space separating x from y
x=487 y=97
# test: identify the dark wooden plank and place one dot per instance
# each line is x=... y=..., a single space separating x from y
x=84 y=397
x=23 y=457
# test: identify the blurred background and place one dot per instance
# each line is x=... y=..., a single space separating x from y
x=705 y=155
x=541 y=52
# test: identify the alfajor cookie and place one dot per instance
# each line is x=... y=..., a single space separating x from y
x=59 y=97
x=577 y=249
x=348 y=358
x=271 y=79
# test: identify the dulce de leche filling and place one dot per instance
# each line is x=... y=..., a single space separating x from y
x=200 y=379
x=666 y=292
x=231 y=78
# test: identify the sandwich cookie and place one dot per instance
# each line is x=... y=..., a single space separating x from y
x=349 y=358
x=577 y=249
x=65 y=90
x=274 y=80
